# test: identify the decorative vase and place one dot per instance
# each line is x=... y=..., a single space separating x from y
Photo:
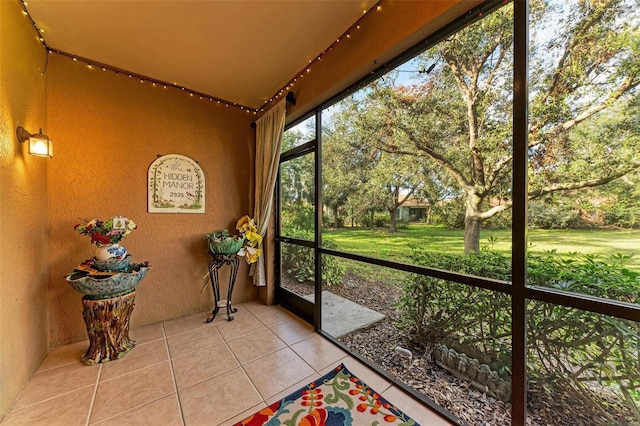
x=103 y=285
x=104 y=253
x=223 y=243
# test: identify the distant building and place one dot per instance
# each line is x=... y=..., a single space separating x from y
x=412 y=210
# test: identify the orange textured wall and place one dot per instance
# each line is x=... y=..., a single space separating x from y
x=24 y=271
x=108 y=129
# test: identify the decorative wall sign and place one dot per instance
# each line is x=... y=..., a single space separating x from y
x=176 y=185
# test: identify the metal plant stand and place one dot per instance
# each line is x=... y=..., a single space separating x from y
x=217 y=261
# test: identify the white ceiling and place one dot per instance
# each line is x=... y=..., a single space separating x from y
x=240 y=51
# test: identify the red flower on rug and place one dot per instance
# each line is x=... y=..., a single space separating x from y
x=337 y=399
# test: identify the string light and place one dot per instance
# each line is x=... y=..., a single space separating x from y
x=347 y=34
x=471 y=16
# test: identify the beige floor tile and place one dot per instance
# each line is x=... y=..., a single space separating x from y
x=255 y=345
x=203 y=362
x=148 y=333
x=202 y=365
x=274 y=316
x=218 y=399
x=180 y=325
x=192 y=341
x=142 y=356
x=243 y=324
x=132 y=390
x=69 y=409
x=277 y=371
x=164 y=411
x=304 y=382
x=256 y=306
x=293 y=331
x=50 y=383
x=63 y=355
x=414 y=409
x=240 y=417
x=319 y=352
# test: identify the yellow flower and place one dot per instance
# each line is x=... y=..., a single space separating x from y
x=247 y=227
x=243 y=223
x=253 y=237
x=252 y=254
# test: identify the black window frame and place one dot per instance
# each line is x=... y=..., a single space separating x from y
x=518 y=289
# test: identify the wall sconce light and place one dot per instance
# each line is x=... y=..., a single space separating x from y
x=39 y=144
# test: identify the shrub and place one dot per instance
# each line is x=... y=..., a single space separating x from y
x=299 y=262
x=297 y=217
x=381 y=220
x=568 y=349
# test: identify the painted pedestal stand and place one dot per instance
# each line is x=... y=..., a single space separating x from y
x=217 y=260
x=109 y=295
x=107 y=322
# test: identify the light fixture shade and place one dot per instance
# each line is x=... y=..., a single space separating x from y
x=40 y=145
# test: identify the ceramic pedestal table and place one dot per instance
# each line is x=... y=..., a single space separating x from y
x=107 y=306
x=107 y=322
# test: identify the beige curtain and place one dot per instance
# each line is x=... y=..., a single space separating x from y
x=269 y=129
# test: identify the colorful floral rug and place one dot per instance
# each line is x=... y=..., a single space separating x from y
x=337 y=399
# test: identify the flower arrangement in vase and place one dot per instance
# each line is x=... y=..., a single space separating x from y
x=245 y=243
x=107 y=235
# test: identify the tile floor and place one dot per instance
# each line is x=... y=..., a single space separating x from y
x=187 y=372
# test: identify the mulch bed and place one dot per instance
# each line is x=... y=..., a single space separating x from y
x=378 y=342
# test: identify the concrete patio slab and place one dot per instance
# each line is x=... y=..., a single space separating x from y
x=341 y=316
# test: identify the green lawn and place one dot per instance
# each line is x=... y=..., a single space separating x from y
x=380 y=243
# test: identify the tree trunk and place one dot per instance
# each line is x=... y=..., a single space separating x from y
x=107 y=322
x=472 y=227
x=392 y=221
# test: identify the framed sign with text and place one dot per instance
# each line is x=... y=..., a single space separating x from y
x=175 y=185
